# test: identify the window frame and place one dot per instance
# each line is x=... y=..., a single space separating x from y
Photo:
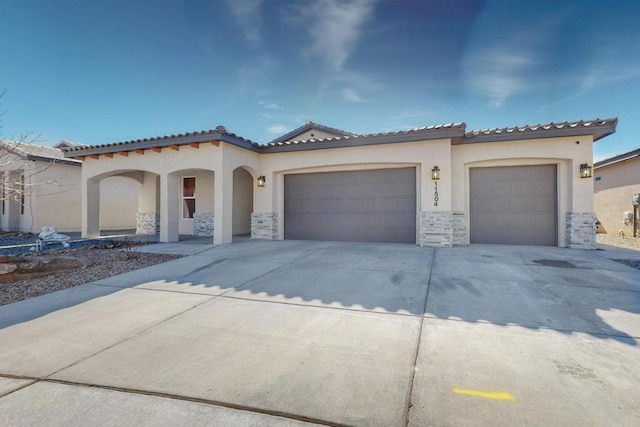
x=183 y=198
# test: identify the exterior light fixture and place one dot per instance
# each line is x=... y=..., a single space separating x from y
x=435 y=173
x=261 y=181
x=585 y=170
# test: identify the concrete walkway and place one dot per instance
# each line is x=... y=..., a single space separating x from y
x=290 y=333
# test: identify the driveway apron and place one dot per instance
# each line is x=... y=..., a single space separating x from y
x=291 y=332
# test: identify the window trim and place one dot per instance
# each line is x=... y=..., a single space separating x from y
x=183 y=197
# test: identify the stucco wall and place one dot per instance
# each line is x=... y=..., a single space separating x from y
x=612 y=194
x=575 y=194
x=242 y=201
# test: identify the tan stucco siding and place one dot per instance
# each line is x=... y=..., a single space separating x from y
x=612 y=197
x=574 y=193
x=421 y=154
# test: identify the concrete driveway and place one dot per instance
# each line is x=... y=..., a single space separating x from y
x=290 y=333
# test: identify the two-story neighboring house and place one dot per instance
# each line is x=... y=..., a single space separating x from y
x=617 y=180
x=39 y=187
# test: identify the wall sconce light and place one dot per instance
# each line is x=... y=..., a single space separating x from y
x=585 y=170
x=261 y=181
x=435 y=173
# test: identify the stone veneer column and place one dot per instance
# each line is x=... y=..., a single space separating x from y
x=203 y=224
x=581 y=230
x=460 y=235
x=436 y=229
x=148 y=223
x=264 y=226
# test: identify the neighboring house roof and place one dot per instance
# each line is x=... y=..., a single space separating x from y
x=456 y=131
x=67 y=144
x=35 y=152
x=618 y=158
x=312 y=126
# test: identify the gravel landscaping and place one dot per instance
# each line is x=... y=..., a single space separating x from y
x=104 y=259
x=617 y=241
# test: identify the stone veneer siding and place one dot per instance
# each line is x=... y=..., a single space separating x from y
x=581 y=230
x=203 y=224
x=460 y=235
x=264 y=226
x=436 y=229
x=148 y=223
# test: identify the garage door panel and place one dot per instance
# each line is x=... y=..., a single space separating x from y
x=514 y=205
x=371 y=205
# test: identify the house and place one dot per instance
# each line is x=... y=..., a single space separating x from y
x=432 y=186
x=617 y=180
x=42 y=188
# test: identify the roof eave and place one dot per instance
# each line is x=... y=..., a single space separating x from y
x=158 y=143
x=597 y=133
x=365 y=140
x=56 y=160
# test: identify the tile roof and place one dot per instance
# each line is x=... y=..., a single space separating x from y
x=310 y=126
x=509 y=132
x=617 y=158
x=456 y=131
x=382 y=135
x=219 y=132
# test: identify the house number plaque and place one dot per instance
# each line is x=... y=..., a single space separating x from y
x=435 y=194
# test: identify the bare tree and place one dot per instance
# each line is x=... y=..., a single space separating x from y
x=24 y=166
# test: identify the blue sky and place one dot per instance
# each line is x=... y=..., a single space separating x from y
x=107 y=71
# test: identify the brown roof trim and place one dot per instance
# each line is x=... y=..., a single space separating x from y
x=190 y=138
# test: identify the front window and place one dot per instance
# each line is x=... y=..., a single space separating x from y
x=188 y=196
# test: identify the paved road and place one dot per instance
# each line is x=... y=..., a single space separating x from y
x=290 y=333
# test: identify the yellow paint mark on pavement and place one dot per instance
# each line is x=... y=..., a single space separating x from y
x=500 y=395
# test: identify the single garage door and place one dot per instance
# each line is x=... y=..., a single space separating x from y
x=352 y=206
x=514 y=205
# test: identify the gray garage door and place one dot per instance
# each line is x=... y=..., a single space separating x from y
x=514 y=205
x=355 y=206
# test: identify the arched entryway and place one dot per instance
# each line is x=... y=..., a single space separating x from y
x=242 y=203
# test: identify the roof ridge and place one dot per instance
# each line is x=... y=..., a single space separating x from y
x=425 y=129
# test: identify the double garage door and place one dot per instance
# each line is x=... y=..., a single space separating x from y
x=352 y=206
x=515 y=205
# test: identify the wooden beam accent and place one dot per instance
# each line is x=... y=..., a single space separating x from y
x=156 y=149
x=123 y=153
x=109 y=155
x=94 y=156
x=175 y=147
x=80 y=157
x=194 y=144
x=139 y=151
x=216 y=143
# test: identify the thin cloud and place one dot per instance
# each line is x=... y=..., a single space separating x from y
x=278 y=129
x=411 y=114
x=247 y=12
x=269 y=105
x=351 y=95
x=336 y=27
x=501 y=73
